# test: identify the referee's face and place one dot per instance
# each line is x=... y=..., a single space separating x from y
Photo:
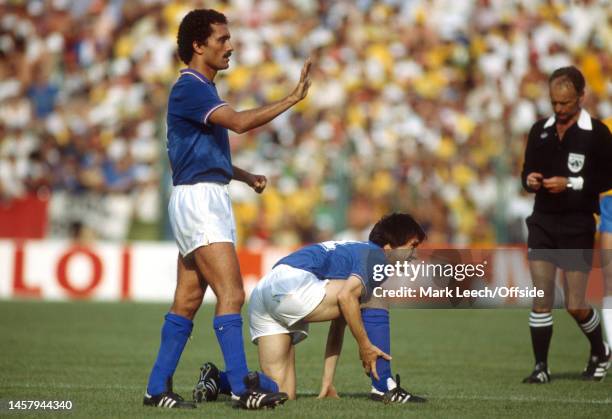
x=564 y=99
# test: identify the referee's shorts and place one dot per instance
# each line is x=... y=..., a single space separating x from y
x=566 y=240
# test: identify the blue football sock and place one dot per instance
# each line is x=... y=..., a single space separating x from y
x=224 y=385
x=228 y=329
x=376 y=322
x=266 y=383
x=174 y=335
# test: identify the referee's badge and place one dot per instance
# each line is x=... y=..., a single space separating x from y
x=575 y=162
x=544 y=134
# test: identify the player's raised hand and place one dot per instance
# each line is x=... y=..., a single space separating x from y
x=369 y=355
x=301 y=90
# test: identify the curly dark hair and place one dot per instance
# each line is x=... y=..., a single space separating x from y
x=572 y=74
x=196 y=27
x=396 y=230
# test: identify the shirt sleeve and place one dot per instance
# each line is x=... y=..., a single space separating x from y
x=196 y=101
x=529 y=159
x=365 y=267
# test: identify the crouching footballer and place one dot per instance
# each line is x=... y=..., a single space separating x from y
x=329 y=281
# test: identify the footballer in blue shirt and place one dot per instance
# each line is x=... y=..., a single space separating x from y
x=201 y=214
x=331 y=281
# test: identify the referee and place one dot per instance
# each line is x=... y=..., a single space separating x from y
x=565 y=165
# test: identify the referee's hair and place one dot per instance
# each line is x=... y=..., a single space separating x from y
x=572 y=74
x=196 y=26
x=396 y=230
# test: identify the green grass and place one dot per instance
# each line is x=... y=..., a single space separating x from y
x=469 y=363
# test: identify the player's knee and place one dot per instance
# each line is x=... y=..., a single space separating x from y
x=233 y=299
x=187 y=305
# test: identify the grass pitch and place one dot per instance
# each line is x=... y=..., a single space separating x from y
x=468 y=363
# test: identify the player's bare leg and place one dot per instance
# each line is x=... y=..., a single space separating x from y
x=540 y=319
x=589 y=322
x=218 y=263
x=328 y=308
x=178 y=324
x=277 y=361
x=190 y=289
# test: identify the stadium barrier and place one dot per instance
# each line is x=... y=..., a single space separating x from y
x=146 y=271
x=24 y=218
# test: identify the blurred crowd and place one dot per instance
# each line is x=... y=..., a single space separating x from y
x=416 y=105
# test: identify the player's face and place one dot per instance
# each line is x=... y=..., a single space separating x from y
x=218 y=47
x=405 y=252
x=564 y=99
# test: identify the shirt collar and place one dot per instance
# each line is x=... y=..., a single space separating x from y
x=584 y=121
x=196 y=74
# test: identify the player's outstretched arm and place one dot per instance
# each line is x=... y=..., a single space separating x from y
x=257 y=182
x=244 y=121
x=335 y=337
x=348 y=300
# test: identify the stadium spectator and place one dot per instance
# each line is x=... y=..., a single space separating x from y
x=424 y=102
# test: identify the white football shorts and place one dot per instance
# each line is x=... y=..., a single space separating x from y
x=201 y=214
x=281 y=300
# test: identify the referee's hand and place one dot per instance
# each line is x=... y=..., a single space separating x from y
x=534 y=180
x=555 y=184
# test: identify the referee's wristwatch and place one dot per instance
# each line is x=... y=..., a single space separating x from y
x=575 y=183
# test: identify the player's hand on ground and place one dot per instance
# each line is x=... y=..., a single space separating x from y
x=301 y=90
x=328 y=391
x=258 y=182
x=369 y=355
x=534 y=180
x=555 y=184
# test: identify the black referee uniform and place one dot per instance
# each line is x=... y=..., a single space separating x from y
x=565 y=220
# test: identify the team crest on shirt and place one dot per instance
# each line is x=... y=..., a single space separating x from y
x=575 y=162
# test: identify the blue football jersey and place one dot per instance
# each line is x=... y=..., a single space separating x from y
x=340 y=260
x=198 y=151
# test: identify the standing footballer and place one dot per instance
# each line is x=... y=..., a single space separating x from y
x=201 y=211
